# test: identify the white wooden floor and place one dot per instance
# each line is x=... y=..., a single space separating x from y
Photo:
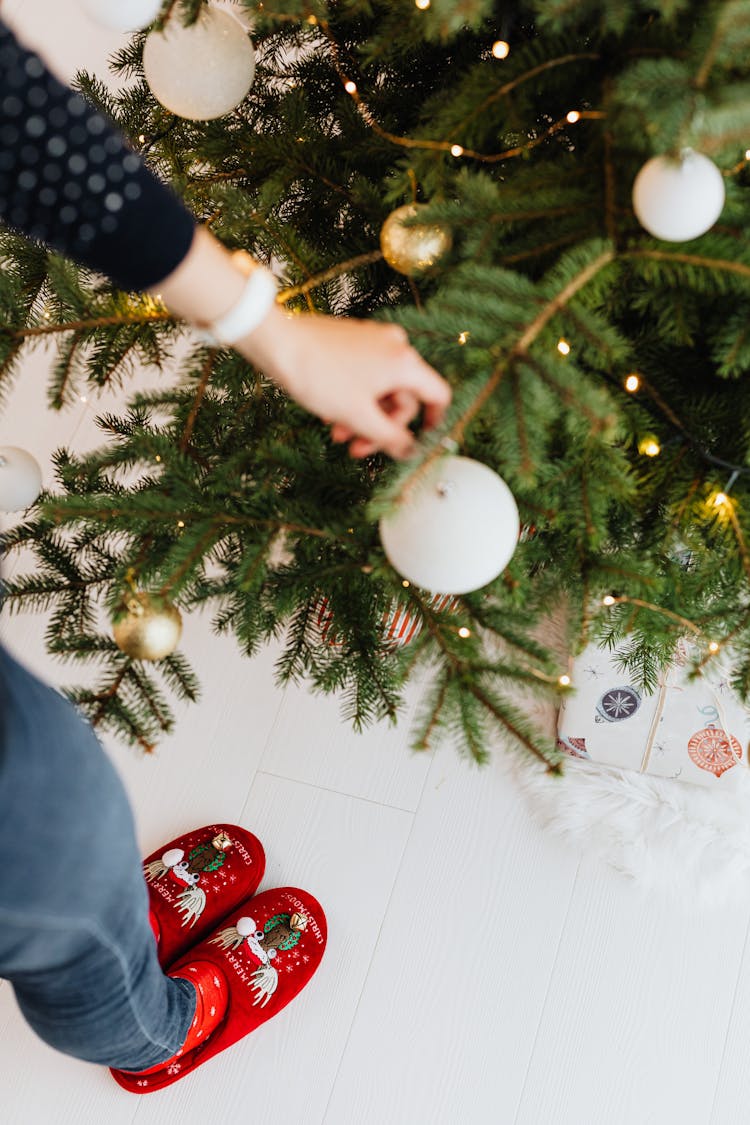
x=476 y=970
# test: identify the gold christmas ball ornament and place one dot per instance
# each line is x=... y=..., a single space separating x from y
x=151 y=628
x=413 y=249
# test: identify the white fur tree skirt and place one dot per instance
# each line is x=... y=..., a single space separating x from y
x=678 y=840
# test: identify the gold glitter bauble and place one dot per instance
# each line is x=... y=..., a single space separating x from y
x=416 y=248
x=151 y=628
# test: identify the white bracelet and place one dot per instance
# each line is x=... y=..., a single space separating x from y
x=253 y=304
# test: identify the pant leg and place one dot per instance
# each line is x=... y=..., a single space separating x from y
x=75 y=939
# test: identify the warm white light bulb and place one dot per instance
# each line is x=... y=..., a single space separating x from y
x=457 y=150
x=572 y=117
x=350 y=87
x=563 y=347
x=713 y=647
x=464 y=632
x=608 y=600
x=632 y=383
x=422 y=4
x=501 y=49
x=564 y=681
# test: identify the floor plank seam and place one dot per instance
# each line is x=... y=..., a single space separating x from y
x=257 y=770
x=366 y=978
x=272 y=729
x=546 y=994
x=729 y=1026
x=336 y=792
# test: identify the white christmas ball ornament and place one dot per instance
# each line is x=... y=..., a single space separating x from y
x=202 y=71
x=245 y=926
x=678 y=199
x=456 y=529
x=20 y=479
x=122 y=15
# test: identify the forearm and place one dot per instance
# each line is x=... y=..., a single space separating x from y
x=70 y=180
x=207 y=282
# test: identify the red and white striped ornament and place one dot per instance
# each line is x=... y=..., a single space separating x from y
x=324 y=621
x=401 y=624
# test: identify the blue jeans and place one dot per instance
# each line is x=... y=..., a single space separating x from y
x=75 y=940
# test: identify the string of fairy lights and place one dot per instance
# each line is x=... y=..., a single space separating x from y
x=649 y=444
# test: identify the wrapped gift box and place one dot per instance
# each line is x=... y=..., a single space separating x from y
x=695 y=730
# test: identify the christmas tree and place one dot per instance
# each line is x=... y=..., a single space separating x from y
x=596 y=341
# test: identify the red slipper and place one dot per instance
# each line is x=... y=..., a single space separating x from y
x=211 y=1004
x=196 y=880
x=262 y=955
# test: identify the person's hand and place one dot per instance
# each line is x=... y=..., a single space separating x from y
x=361 y=377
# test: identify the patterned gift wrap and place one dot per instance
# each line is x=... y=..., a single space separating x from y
x=695 y=730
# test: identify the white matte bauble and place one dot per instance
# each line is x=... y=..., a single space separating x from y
x=122 y=15
x=20 y=479
x=202 y=71
x=245 y=926
x=678 y=199
x=456 y=528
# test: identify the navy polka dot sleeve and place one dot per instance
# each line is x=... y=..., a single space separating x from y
x=68 y=179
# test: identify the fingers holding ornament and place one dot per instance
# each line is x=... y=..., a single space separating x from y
x=402 y=407
x=341 y=433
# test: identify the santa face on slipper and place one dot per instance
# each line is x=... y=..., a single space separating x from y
x=280 y=932
x=206 y=857
x=196 y=880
